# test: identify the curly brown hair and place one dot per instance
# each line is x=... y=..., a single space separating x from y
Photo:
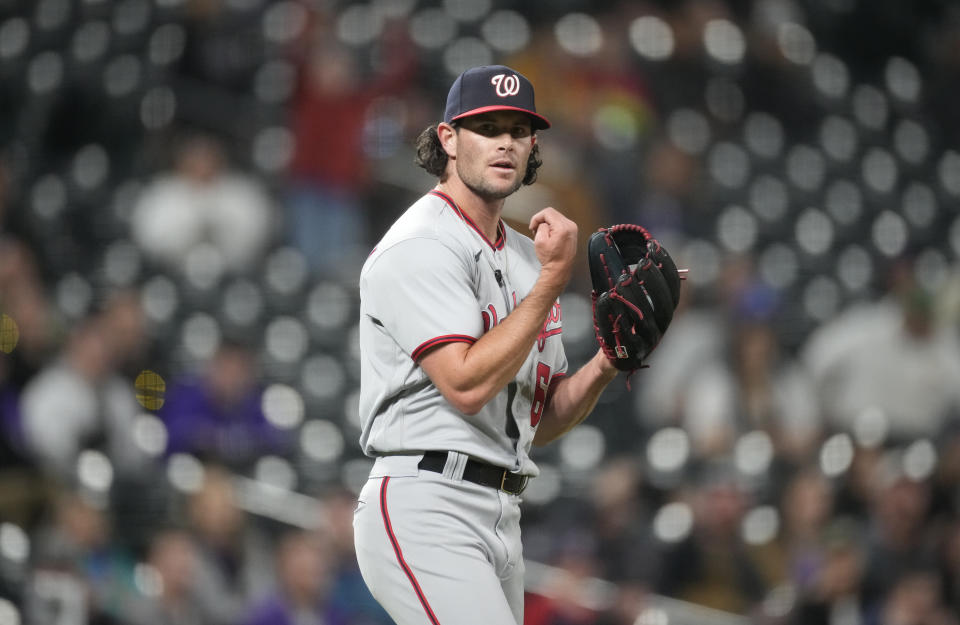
x=433 y=158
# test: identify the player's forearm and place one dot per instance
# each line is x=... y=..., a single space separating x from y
x=573 y=399
x=494 y=360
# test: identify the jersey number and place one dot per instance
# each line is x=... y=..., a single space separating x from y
x=540 y=394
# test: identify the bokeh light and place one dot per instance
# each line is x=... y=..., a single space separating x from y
x=283 y=406
x=760 y=525
x=870 y=107
x=689 y=130
x=796 y=43
x=579 y=34
x=14 y=543
x=432 y=28
x=724 y=41
x=150 y=435
x=763 y=134
x=652 y=38
x=668 y=450
x=185 y=472
x=673 y=522
x=583 y=448
x=321 y=441
x=836 y=455
x=830 y=75
x=506 y=31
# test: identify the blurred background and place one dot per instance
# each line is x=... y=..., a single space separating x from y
x=188 y=189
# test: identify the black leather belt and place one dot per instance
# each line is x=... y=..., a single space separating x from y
x=478 y=472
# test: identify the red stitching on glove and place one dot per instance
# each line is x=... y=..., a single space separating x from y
x=615 y=295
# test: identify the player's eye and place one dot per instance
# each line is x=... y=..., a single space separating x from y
x=520 y=132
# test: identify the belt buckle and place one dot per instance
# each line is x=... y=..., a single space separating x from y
x=503 y=483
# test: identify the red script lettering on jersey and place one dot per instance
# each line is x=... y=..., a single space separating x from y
x=551 y=326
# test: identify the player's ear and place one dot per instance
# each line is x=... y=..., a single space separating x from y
x=447 y=135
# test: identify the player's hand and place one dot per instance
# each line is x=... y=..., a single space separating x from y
x=555 y=241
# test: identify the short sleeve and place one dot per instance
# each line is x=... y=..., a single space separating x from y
x=422 y=292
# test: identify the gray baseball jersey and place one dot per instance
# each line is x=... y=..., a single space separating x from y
x=433 y=279
x=434 y=547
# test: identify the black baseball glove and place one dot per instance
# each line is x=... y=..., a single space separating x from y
x=636 y=287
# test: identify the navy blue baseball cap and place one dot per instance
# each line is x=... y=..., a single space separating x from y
x=492 y=88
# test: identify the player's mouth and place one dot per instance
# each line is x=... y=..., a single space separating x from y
x=503 y=164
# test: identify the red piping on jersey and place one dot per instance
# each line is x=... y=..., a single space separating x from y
x=396 y=550
x=551 y=387
x=501 y=230
x=439 y=340
x=550 y=333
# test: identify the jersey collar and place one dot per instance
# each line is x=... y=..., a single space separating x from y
x=501 y=230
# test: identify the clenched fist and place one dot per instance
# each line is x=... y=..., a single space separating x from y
x=555 y=242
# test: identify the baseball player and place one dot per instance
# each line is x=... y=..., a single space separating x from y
x=463 y=366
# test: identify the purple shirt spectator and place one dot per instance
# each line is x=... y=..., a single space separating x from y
x=198 y=423
x=277 y=611
x=218 y=414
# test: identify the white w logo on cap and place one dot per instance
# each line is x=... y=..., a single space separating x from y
x=506 y=85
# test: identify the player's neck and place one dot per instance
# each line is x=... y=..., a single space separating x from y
x=484 y=213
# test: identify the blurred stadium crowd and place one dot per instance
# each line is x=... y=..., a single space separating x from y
x=188 y=189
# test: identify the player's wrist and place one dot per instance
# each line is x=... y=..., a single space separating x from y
x=555 y=275
x=604 y=365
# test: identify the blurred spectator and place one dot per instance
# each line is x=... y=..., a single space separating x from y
x=232 y=555
x=10 y=434
x=28 y=333
x=669 y=178
x=566 y=597
x=220 y=54
x=336 y=94
x=629 y=601
x=32 y=331
x=856 y=492
x=915 y=599
x=891 y=358
x=348 y=594
x=947 y=299
x=22 y=488
x=730 y=376
x=755 y=387
x=627 y=553
x=713 y=566
x=79 y=402
x=81 y=569
x=698 y=335
x=831 y=593
x=173 y=600
x=124 y=327
x=898 y=540
x=944 y=96
x=626 y=550
x=217 y=414
x=807 y=507
x=203 y=206
x=303 y=571
x=949 y=562
x=6 y=183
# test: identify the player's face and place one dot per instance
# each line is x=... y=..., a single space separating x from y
x=492 y=152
